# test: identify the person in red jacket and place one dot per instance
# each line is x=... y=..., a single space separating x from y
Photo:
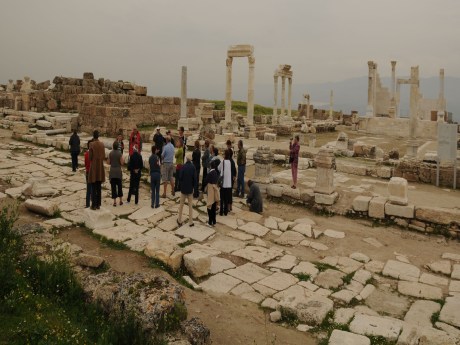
x=135 y=140
x=87 y=166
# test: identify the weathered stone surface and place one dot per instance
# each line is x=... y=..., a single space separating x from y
x=420 y=313
x=334 y=233
x=374 y=266
x=373 y=242
x=270 y=303
x=329 y=279
x=89 y=260
x=367 y=291
x=311 y=310
x=249 y=273
x=344 y=295
x=431 y=279
x=441 y=266
x=240 y=235
x=290 y=238
x=406 y=211
x=198 y=232
x=254 y=229
x=347 y=265
x=362 y=276
x=57 y=223
x=450 y=311
x=346 y=338
x=307 y=268
x=197 y=263
x=279 y=281
x=451 y=256
x=219 y=284
x=39 y=187
x=437 y=215
x=99 y=219
x=258 y=255
x=343 y=315
x=454 y=287
x=294 y=291
x=361 y=203
x=167 y=252
x=397 y=188
x=387 y=302
x=220 y=264
x=386 y=327
x=414 y=334
x=401 y=270
x=419 y=290
x=304 y=229
x=377 y=207
x=455 y=272
x=452 y=331
x=227 y=245
x=286 y=262
x=360 y=257
x=43 y=207
x=326 y=199
x=275 y=316
x=146 y=212
x=271 y=223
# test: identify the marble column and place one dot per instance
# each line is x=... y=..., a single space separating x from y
x=412 y=144
x=308 y=106
x=331 y=106
x=228 y=91
x=183 y=94
x=374 y=91
x=370 y=92
x=275 y=97
x=289 y=96
x=283 y=93
x=393 y=79
x=250 y=111
x=398 y=97
x=441 y=101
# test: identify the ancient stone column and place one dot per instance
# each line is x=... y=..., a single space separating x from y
x=324 y=187
x=263 y=159
x=392 y=108
x=374 y=91
x=283 y=93
x=289 y=96
x=398 y=97
x=441 y=100
x=183 y=93
x=370 y=92
x=412 y=145
x=252 y=61
x=331 y=105
x=308 y=106
x=275 y=97
x=228 y=91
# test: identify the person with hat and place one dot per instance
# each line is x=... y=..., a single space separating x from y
x=135 y=166
x=159 y=140
x=187 y=178
x=135 y=140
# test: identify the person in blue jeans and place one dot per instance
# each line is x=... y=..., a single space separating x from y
x=241 y=162
x=155 y=176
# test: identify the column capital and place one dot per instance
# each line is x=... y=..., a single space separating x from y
x=251 y=60
x=393 y=64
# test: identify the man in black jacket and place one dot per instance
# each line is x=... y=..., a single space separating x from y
x=187 y=177
x=74 y=143
x=135 y=166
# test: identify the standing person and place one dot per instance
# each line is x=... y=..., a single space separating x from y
x=225 y=170
x=155 y=176
x=159 y=140
x=205 y=160
x=168 y=133
x=179 y=162
x=96 y=171
x=233 y=170
x=241 y=162
x=184 y=141
x=213 y=194
x=254 y=198
x=215 y=155
x=196 y=159
x=135 y=166
x=229 y=145
x=187 y=177
x=167 y=157
x=115 y=161
x=119 y=140
x=135 y=140
x=74 y=143
x=87 y=167
x=294 y=149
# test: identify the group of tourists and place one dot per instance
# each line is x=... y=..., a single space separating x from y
x=170 y=164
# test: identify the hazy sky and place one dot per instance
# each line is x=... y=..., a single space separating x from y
x=147 y=41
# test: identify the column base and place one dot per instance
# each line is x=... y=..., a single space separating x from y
x=412 y=149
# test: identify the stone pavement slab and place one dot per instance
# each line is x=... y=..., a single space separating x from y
x=386 y=301
x=286 y=262
x=146 y=212
x=450 y=311
x=219 y=284
x=401 y=270
x=227 y=244
x=240 y=235
x=249 y=273
x=307 y=268
x=419 y=290
x=198 y=232
x=220 y=264
x=329 y=279
x=304 y=229
x=254 y=229
x=431 y=279
x=279 y=281
x=290 y=238
x=258 y=255
x=346 y=338
x=420 y=313
x=334 y=234
x=386 y=327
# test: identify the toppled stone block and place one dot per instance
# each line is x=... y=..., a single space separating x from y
x=43 y=207
x=198 y=263
x=397 y=188
x=39 y=187
x=438 y=215
x=97 y=219
x=167 y=252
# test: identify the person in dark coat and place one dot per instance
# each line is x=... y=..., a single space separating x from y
x=155 y=176
x=159 y=141
x=187 y=176
x=96 y=174
x=74 y=143
x=213 y=193
x=205 y=160
x=254 y=199
x=135 y=166
x=196 y=159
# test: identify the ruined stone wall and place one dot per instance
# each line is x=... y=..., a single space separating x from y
x=397 y=127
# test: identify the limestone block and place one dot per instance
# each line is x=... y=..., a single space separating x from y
x=326 y=199
x=254 y=229
x=311 y=310
x=198 y=233
x=431 y=279
x=386 y=327
x=219 y=284
x=367 y=291
x=451 y=256
x=89 y=260
x=290 y=238
x=270 y=136
x=258 y=255
x=419 y=290
x=344 y=295
x=384 y=172
x=167 y=252
x=437 y=215
x=39 y=187
x=420 y=313
x=440 y=266
x=275 y=190
x=346 y=338
x=275 y=316
x=414 y=334
x=401 y=270
x=377 y=207
x=220 y=264
x=198 y=263
x=449 y=312
x=329 y=279
x=334 y=234
x=44 y=124
x=406 y=211
x=354 y=169
x=455 y=272
x=307 y=268
x=304 y=229
x=397 y=188
x=270 y=303
x=249 y=273
x=343 y=315
x=43 y=207
x=361 y=203
x=360 y=257
x=279 y=281
x=362 y=276
x=97 y=219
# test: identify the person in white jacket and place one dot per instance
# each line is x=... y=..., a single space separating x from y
x=225 y=170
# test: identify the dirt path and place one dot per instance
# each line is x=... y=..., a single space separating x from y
x=230 y=319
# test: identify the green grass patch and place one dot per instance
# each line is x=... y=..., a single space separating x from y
x=177 y=275
x=321 y=266
x=379 y=340
x=186 y=243
x=348 y=278
x=303 y=277
x=435 y=317
x=108 y=242
x=241 y=107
